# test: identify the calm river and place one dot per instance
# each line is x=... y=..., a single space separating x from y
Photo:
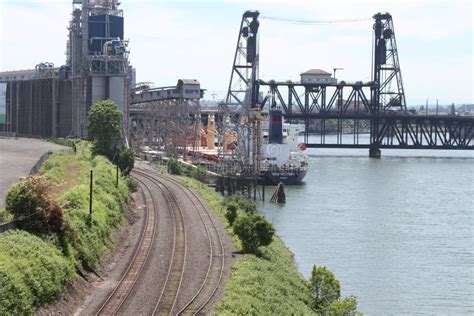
x=398 y=232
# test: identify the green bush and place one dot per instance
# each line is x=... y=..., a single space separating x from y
x=244 y=203
x=15 y=296
x=29 y=201
x=174 y=167
x=132 y=184
x=125 y=159
x=253 y=231
x=231 y=212
x=32 y=272
x=266 y=286
x=199 y=173
x=345 y=307
x=5 y=216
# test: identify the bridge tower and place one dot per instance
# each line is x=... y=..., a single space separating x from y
x=387 y=92
x=241 y=99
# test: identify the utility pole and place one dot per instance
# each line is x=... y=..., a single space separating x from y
x=90 y=197
x=116 y=176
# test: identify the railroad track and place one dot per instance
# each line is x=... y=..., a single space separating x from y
x=121 y=292
x=213 y=278
x=167 y=302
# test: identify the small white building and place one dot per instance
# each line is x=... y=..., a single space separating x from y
x=317 y=76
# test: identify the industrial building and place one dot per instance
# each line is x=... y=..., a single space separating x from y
x=317 y=76
x=50 y=101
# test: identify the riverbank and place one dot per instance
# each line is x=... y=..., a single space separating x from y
x=268 y=284
x=35 y=268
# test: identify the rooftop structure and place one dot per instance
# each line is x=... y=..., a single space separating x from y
x=317 y=76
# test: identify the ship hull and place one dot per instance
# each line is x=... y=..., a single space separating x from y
x=275 y=177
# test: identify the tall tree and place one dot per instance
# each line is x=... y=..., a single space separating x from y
x=104 y=129
x=325 y=287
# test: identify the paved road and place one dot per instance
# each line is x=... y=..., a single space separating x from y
x=17 y=157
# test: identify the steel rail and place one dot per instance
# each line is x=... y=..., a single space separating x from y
x=191 y=194
x=128 y=281
x=175 y=254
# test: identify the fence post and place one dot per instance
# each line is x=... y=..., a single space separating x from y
x=90 y=197
x=116 y=177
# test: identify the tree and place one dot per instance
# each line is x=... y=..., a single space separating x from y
x=125 y=159
x=345 y=307
x=104 y=128
x=231 y=212
x=325 y=288
x=253 y=231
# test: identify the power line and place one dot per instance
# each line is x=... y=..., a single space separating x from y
x=315 y=22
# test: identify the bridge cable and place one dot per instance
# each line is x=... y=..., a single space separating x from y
x=314 y=22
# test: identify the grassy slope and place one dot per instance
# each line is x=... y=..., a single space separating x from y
x=85 y=244
x=82 y=245
x=269 y=285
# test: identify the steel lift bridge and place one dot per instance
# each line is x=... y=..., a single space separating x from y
x=348 y=110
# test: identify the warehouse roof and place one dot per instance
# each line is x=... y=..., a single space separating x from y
x=315 y=72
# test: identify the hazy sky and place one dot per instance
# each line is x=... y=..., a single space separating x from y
x=196 y=39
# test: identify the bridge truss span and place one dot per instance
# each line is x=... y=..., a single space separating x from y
x=344 y=116
x=306 y=100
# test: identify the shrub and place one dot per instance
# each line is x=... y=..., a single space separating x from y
x=29 y=201
x=15 y=297
x=244 y=204
x=125 y=159
x=32 y=272
x=132 y=184
x=199 y=173
x=174 y=167
x=345 y=307
x=253 y=231
x=325 y=288
x=231 y=212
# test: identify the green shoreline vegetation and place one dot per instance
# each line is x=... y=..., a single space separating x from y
x=268 y=283
x=35 y=266
x=57 y=237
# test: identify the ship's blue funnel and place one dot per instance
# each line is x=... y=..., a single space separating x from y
x=275 y=127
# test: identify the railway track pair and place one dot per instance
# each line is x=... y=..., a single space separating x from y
x=167 y=302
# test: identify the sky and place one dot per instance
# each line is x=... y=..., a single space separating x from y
x=177 y=39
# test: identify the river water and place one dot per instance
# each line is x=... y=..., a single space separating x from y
x=398 y=232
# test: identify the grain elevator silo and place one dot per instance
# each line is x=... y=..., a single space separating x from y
x=97 y=59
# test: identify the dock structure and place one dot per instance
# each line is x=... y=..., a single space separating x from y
x=167 y=118
x=245 y=185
